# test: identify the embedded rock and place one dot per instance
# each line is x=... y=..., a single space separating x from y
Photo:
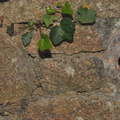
x=60 y=75
x=75 y=81
x=89 y=106
x=16 y=70
x=24 y=10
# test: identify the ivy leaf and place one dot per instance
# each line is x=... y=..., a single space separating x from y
x=48 y=20
x=10 y=29
x=87 y=15
x=31 y=23
x=67 y=9
x=50 y=10
x=59 y=4
x=64 y=31
x=27 y=38
x=44 y=43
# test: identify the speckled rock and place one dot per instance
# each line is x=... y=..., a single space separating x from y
x=112 y=55
x=73 y=81
x=60 y=75
x=24 y=10
x=104 y=29
x=84 y=107
x=85 y=39
x=15 y=80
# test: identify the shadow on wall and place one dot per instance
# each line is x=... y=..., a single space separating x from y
x=3 y=1
x=44 y=54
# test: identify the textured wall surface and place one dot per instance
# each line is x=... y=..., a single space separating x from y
x=72 y=81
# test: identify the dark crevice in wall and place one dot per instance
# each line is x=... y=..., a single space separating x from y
x=3 y=1
x=44 y=54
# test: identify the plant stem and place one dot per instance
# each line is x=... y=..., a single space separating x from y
x=23 y=28
x=40 y=28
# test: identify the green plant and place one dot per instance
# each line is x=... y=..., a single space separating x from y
x=58 y=33
x=87 y=15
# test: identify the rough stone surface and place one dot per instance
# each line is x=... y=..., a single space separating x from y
x=73 y=81
x=71 y=74
x=104 y=28
x=15 y=80
x=85 y=39
x=90 y=106
x=24 y=10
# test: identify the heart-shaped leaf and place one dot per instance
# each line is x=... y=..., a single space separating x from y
x=50 y=10
x=44 y=43
x=59 y=4
x=31 y=23
x=87 y=15
x=10 y=29
x=27 y=38
x=67 y=9
x=64 y=31
x=48 y=20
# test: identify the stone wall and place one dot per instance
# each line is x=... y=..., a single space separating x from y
x=72 y=81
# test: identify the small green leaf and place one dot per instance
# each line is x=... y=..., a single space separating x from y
x=87 y=15
x=10 y=29
x=67 y=9
x=64 y=31
x=50 y=10
x=48 y=20
x=27 y=38
x=59 y=4
x=44 y=43
x=55 y=18
x=31 y=23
